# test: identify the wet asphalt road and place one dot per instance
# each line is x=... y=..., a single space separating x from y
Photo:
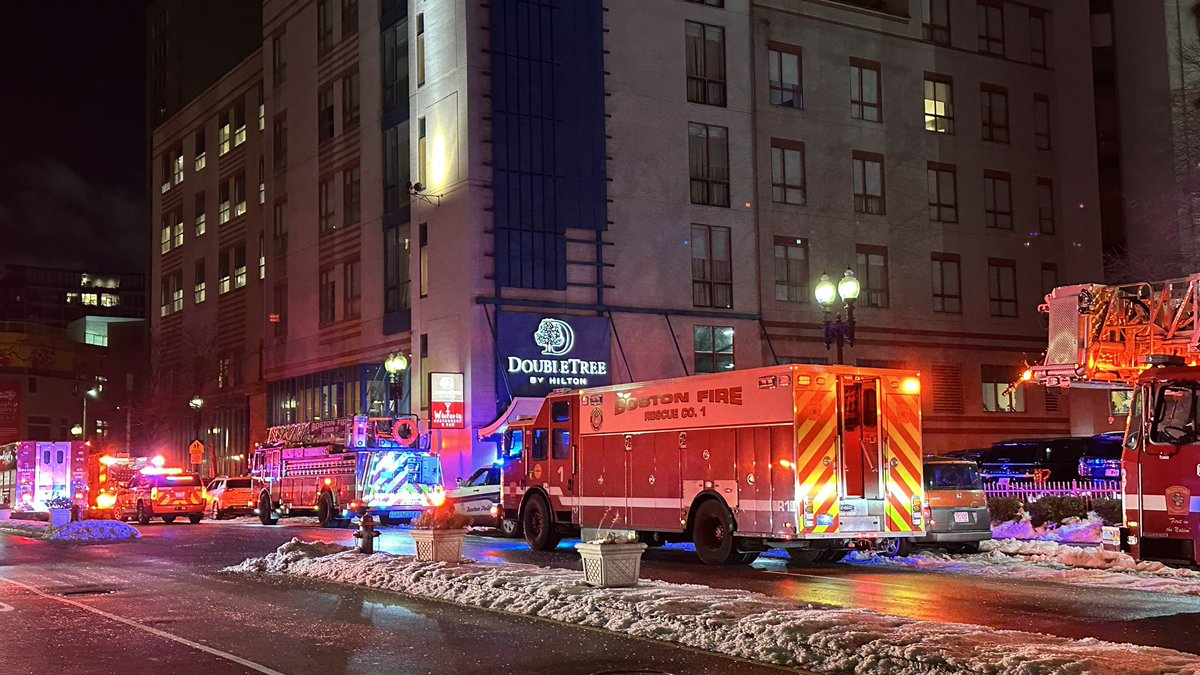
x=168 y=582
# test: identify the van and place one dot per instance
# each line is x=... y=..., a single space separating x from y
x=958 y=514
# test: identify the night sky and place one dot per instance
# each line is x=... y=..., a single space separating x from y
x=72 y=153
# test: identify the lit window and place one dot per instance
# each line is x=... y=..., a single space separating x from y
x=177 y=165
x=201 y=157
x=223 y=209
x=262 y=110
x=223 y=275
x=239 y=195
x=939 y=104
x=712 y=348
x=72 y=298
x=109 y=300
x=200 y=287
x=201 y=216
x=223 y=131
x=91 y=299
x=262 y=256
x=166 y=236
x=239 y=266
x=262 y=181
x=999 y=394
x=239 y=123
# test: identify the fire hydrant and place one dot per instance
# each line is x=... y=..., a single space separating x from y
x=366 y=534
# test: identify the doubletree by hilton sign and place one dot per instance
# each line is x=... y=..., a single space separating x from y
x=541 y=353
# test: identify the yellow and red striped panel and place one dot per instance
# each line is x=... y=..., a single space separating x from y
x=902 y=424
x=816 y=457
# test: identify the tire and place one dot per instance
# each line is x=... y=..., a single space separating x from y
x=325 y=515
x=538 y=525
x=894 y=547
x=143 y=518
x=806 y=556
x=745 y=557
x=195 y=518
x=265 y=510
x=168 y=519
x=510 y=528
x=712 y=533
x=833 y=555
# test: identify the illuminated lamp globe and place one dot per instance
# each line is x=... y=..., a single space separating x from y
x=196 y=403
x=77 y=430
x=825 y=291
x=849 y=286
x=395 y=363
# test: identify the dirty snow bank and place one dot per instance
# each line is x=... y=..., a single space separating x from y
x=1048 y=561
x=1072 y=530
x=82 y=531
x=732 y=622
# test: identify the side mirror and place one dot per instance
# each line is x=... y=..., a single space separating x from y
x=460 y=481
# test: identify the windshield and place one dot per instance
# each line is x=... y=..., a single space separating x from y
x=238 y=483
x=1175 y=415
x=952 y=477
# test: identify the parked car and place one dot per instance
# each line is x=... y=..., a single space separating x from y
x=155 y=492
x=478 y=496
x=1038 y=459
x=1103 y=460
x=231 y=496
x=958 y=514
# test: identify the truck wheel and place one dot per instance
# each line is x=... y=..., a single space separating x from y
x=143 y=518
x=539 y=526
x=806 y=556
x=194 y=518
x=264 y=510
x=510 y=528
x=168 y=519
x=712 y=533
x=325 y=515
x=745 y=558
x=894 y=547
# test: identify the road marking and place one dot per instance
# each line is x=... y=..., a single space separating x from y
x=841 y=579
x=153 y=631
x=4 y=607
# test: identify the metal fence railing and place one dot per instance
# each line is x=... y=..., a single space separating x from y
x=1030 y=491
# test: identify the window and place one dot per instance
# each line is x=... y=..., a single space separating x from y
x=199 y=289
x=423 y=259
x=172 y=293
x=239 y=265
x=541 y=449
x=262 y=256
x=784 y=70
x=279 y=316
x=560 y=444
x=422 y=165
x=999 y=394
x=223 y=272
x=262 y=110
x=395 y=156
x=936 y=21
x=868 y=182
x=420 y=49
x=109 y=300
x=166 y=173
x=787 y=172
x=225 y=371
x=712 y=267
x=708 y=159
x=325 y=114
x=324 y=26
x=1045 y=204
x=397 y=277
x=177 y=226
x=705 y=63
x=239 y=195
x=997 y=200
x=947 y=283
x=325 y=204
x=873 y=275
x=349 y=18
x=223 y=209
x=791 y=269
x=1041 y=121
x=939 y=104
x=201 y=155
x=239 y=123
x=281 y=226
x=262 y=180
x=1037 y=37
x=201 y=216
x=1002 y=286
x=990 y=17
x=91 y=299
x=1049 y=277
x=279 y=142
x=351 y=199
x=395 y=66
x=177 y=166
x=352 y=289
x=223 y=131
x=712 y=348
x=278 y=60
x=327 y=298
x=866 y=92
x=166 y=234
x=350 y=101
x=993 y=108
x=943 y=192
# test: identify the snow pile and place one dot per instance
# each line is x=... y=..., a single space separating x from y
x=1072 y=530
x=82 y=531
x=732 y=622
x=254 y=520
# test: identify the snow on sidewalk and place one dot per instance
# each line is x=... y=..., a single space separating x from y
x=1048 y=561
x=732 y=622
x=1072 y=530
x=82 y=531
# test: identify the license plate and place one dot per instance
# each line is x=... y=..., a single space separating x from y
x=962 y=517
x=860 y=524
x=400 y=515
x=1112 y=472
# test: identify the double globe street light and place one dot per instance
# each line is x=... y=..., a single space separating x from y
x=838 y=331
x=395 y=364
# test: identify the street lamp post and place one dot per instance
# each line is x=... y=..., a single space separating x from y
x=394 y=365
x=837 y=330
x=92 y=393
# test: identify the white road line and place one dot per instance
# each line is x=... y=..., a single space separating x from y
x=4 y=607
x=153 y=631
x=844 y=580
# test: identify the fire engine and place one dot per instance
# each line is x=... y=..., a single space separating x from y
x=812 y=459
x=338 y=468
x=1145 y=337
x=48 y=470
x=107 y=474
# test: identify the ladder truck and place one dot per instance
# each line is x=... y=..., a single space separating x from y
x=1146 y=337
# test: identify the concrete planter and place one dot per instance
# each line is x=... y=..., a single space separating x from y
x=60 y=517
x=439 y=545
x=611 y=565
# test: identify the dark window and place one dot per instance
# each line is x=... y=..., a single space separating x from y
x=868 y=183
x=1049 y=277
x=561 y=447
x=540 y=445
x=1037 y=37
x=947 y=283
x=278 y=60
x=351 y=289
x=791 y=269
x=939 y=104
x=281 y=226
x=279 y=142
x=1041 y=122
x=349 y=18
x=325 y=114
x=943 y=192
x=325 y=205
x=993 y=109
x=866 y=90
x=785 y=71
x=560 y=411
x=936 y=21
x=787 y=172
x=350 y=101
x=280 y=318
x=420 y=49
x=351 y=195
x=32 y=385
x=423 y=259
x=395 y=168
x=1045 y=205
x=705 y=63
x=1002 y=286
x=395 y=66
x=712 y=348
x=396 y=268
x=708 y=161
x=997 y=200
x=327 y=300
x=712 y=267
x=990 y=17
x=873 y=275
x=324 y=25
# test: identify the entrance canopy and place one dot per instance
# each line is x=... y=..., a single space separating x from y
x=521 y=406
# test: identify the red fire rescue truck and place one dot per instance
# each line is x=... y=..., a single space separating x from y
x=814 y=459
x=1145 y=337
x=47 y=471
x=337 y=468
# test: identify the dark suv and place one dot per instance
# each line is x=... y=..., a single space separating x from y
x=1038 y=459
